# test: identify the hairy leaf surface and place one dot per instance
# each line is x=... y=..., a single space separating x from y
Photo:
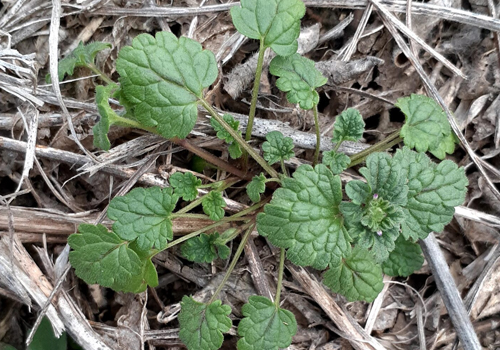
x=348 y=126
x=338 y=162
x=357 y=276
x=144 y=214
x=213 y=205
x=299 y=78
x=265 y=327
x=234 y=148
x=100 y=256
x=185 y=185
x=426 y=126
x=304 y=217
x=275 y=22
x=277 y=147
x=201 y=325
x=204 y=248
x=256 y=187
x=405 y=259
x=162 y=78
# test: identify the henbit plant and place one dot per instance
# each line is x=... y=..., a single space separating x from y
x=375 y=231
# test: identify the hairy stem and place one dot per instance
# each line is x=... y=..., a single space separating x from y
x=280 y=278
x=318 y=135
x=379 y=146
x=240 y=140
x=255 y=91
x=101 y=75
x=233 y=262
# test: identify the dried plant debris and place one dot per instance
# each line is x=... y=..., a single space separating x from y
x=111 y=209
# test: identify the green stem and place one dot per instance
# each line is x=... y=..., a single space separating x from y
x=255 y=90
x=205 y=229
x=283 y=168
x=337 y=146
x=101 y=75
x=379 y=146
x=189 y=216
x=233 y=262
x=378 y=149
x=226 y=184
x=239 y=139
x=280 y=278
x=318 y=135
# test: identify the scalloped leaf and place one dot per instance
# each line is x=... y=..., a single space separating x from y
x=349 y=126
x=434 y=192
x=277 y=147
x=256 y=187
x=82 y=56
x=185 y=185
x=265 y=326
x=204 y=248
x=201 y=325
x=144 y=214
x=357 y=276
x=100 y=256
x=426 y=126
x=337 y=162
x=234 y=148
x=405 y=259
x=299 y=78
x=213 y=205
x=304 y=217
x=275 y=22
x=161 y=80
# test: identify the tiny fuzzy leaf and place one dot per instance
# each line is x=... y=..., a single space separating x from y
x=213 y=205
x=100 y=256
x=385 y=178
x=434 y=192
x=107 y=114
x=201 y=325
x=275 y=22
x=222 y=134
x=426 y=126
x=185 y=185
x=265 y=326
x=277 y=147
x=299 y=78
x=358 y=191
x=338 y=162
x=379 y=245
x=234 y=150
x=204 y=248
x=348 y=126
x=304 y=217
x=447 y=145
x=82 y=56
x=405 y=259
x=357 y=276
x=161 y=80
x=256 y=187
x=143 y=214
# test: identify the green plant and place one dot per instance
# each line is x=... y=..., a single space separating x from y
x=374 y=231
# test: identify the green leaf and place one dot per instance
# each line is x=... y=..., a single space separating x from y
x=256 y=187
x=107 y=114
x=144 y=214
x=234 y=148
x=265 y=326
x=434 y=192
x=304 y=217
x=204 y=248
x=379 y=245
x=82 y=56
x=338 y=162
x=348 y=126
x=100 y=256
x=161 y=80
x=185 y=185
x=277 y=147
x=45 y=339
x=275 y=22
x=202 y=325
x=299 y=78
x=404 y=259
x=426 y=126
x=213 y=205
x=357 y=276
